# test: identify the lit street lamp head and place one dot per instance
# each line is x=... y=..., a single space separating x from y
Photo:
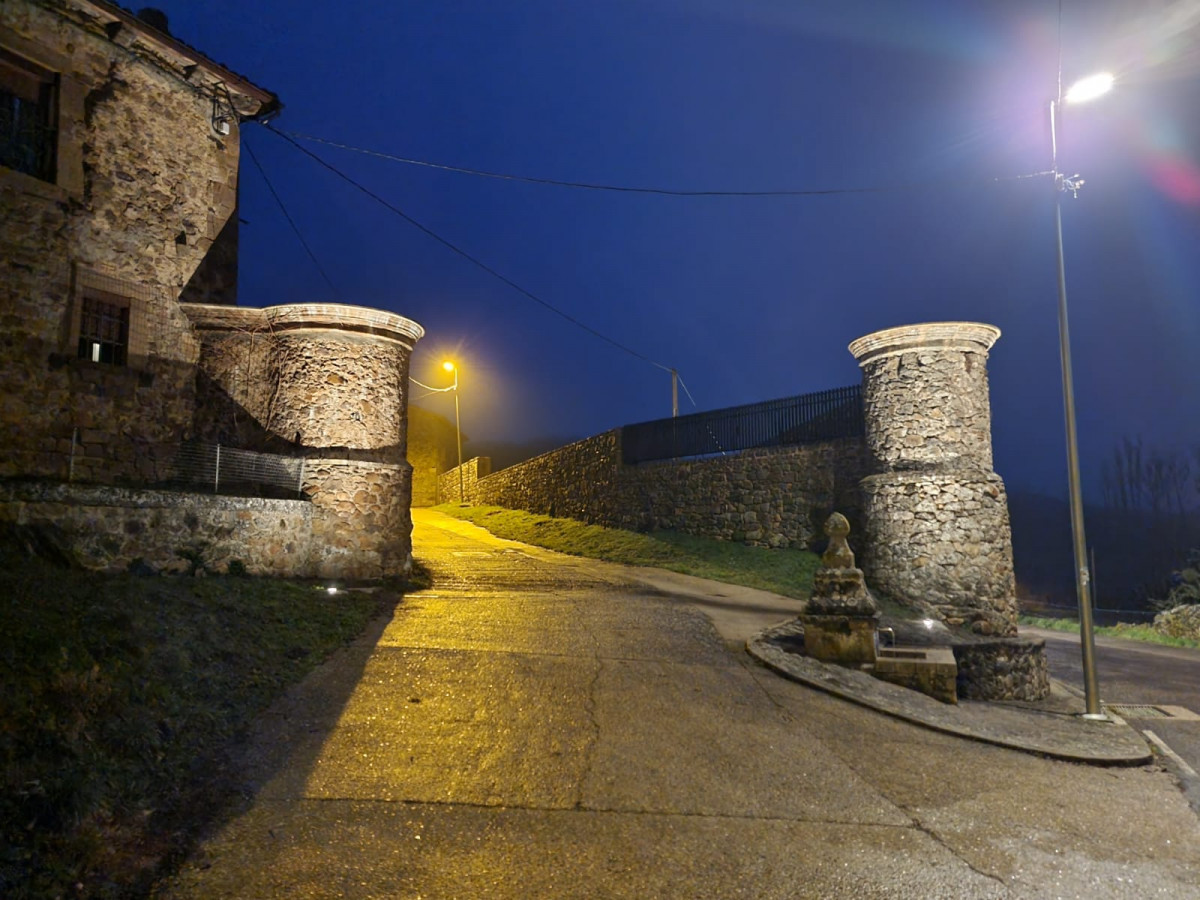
x=1089 y=88
x=448 y=366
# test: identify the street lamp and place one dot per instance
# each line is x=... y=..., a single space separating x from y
x=1083 y=90
x=450 y=367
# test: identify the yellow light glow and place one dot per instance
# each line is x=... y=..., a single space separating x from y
x=1089 y=88
x=448 y=366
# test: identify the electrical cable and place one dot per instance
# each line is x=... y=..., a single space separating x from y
x=686 y=391
x=463 y=253
x=295 y=228
x=428 y=388
x=626 y=189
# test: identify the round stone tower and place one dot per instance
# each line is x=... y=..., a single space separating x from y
x=329 y=382
x=938 y=537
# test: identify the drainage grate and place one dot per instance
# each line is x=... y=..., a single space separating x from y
x=1145 y=711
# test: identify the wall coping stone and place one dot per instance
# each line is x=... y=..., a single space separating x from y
x=969 y=337
x=20 y=491
x=304 y=316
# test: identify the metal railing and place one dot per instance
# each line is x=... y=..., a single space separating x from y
x=193 y=465
x=221 y=467
x=808 y=418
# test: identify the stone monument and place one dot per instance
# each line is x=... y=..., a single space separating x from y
x=841 y=619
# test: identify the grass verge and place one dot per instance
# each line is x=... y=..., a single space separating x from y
x=121 y=699
x=786 y=572
x=1120 y=630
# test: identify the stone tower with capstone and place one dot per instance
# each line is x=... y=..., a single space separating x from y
x=938 y=537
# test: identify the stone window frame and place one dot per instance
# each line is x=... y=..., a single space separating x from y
x=68 y=114
x=29 y=113
x=96 y=286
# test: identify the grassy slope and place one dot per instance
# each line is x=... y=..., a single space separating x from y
x=120 y=698
x=1121 y=630
x=787 y=572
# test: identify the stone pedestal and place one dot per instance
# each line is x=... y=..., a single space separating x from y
x=841 y=619
x=936 y=516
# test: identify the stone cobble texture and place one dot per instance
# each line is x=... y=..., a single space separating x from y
x=330 y=382
x=941 y=544
x=136 y=214
x=110 y=528
x=362 y=525
x=776 y=497
x=938 y=532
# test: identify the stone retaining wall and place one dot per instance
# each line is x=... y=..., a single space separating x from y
x=771 y=497
x=109 y=528
x=1002 y=669
x=472 y=471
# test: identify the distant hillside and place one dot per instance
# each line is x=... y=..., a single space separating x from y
x=1135 y=552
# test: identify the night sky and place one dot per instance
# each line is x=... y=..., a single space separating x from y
x=750 y=298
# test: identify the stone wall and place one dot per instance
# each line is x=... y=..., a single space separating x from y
x=772 y=497
x=109 y=528
x=473 y=470
x=362 y=525
x=141 y=188
x=776 y=497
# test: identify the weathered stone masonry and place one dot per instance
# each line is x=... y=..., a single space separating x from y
x=142 y=188
x=776 y=497
x=330 y=382
x=938 y=533
x=111 y=528
x=107 y=363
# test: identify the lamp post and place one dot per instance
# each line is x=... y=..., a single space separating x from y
x=1086 y=89
x=450 y=367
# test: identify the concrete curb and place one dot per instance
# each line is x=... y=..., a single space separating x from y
x=1051 y=728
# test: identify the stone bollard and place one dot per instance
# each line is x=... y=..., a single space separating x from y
x=938 y=537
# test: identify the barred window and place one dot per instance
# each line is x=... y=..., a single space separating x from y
x=28 y=117
x=104 y=328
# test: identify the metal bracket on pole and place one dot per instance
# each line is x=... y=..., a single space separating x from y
x=1072 y=184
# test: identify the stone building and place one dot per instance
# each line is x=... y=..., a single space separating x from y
x=119 y=152
x=119 y=176
x=432 y=450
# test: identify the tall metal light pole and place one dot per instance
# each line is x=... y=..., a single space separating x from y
x=1086 y=89
x=450 y=367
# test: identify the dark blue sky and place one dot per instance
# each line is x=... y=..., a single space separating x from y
x=750 y=298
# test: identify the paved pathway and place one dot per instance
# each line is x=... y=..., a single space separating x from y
x=538 y=726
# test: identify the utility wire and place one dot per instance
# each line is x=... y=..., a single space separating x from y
x=463 y=253
x=295 y=228
x=626 y=189
x=428 y=388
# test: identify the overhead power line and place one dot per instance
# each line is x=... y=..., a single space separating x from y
x=461 y=252
x=627 y=189
x=290 y=221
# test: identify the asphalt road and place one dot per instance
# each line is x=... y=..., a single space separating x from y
x=541 y=726
x=1136 y=674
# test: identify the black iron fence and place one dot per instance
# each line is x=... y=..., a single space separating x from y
x=823 y=416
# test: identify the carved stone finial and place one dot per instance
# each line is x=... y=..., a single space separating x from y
x=838 y=554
